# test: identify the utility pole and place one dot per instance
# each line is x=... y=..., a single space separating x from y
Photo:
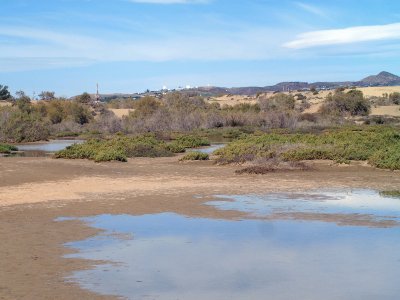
x=97 y=93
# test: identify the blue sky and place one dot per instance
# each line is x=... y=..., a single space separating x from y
x=130 y=45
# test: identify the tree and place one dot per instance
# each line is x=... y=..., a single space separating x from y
x=80 y=114
x=4 y=93
x=23 y=102
x=47 y=95
x=85 y=98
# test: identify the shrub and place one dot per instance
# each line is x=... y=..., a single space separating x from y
x=196 y=156
x=352 y=102
x=278 y=102
x=388 y=158
x=17 y=126
x=192 y=141
x=376 y=144
x=118 y=148
x=5 y=148
x=273 y=166
x=395 y=98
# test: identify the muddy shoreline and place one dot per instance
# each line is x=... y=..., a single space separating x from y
x=36 y=191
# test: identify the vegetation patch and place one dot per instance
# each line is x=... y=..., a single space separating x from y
x=273 y=166
x=377 y=144
x=5 y=148
x=182 y=142
x=195 y=156
x=390 y=194
x=119 y=148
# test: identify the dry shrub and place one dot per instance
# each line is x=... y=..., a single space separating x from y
x=273 y=165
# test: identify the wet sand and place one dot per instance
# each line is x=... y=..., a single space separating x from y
x=35 y=191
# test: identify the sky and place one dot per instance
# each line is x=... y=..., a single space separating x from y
x=127 y=46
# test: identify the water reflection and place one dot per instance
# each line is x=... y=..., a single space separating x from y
x=170 y=256
x=43 y=148
x=368 y=205
x=208 y=150
x=50 y=146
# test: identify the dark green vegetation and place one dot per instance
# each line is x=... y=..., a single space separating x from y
x=380 y=146
x=390 y=194
x=196 y=156
x=4 y=93
x=5 y=148
x=183 y=142
x=352 y=102
x=120 y=148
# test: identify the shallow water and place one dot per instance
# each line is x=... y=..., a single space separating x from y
x=208 y=150
x=50 y=146
x=44 y=148
x=360 y=204
x=169 y=256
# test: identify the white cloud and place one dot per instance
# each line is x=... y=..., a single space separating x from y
x=311 y=9
x=47 y=48
x=348 y=35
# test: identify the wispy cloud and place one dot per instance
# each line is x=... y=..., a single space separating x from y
x=45 y=48
x=348 y=35
x=311 y=9
x=170 y=1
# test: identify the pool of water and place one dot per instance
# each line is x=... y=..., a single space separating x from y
x=378 y=208
x=171 y=256
x=44 y=148
x=208 y=150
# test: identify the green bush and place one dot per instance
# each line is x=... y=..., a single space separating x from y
x=388 y=158
x=119 y=148
x=196 y=156
x=352 y=102
x=278 y=102
x=18 y=126
x=5 y=148
x=376 y=144
x=183 y=142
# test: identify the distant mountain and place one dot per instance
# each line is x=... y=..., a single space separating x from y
x=382 y=79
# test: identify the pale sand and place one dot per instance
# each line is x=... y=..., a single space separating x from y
x=121 y=112
x=391 y=110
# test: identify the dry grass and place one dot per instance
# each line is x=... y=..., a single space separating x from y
x=316 y=100
x=391 y=110
x=273 y=165
x=379 y=91
x=231 y=100
x=4 y=103
x=121 y=112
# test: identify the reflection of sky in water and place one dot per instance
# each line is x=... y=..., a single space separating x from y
x=207 y=150
x=175 y=257
x=345 y=202
x=51 y=146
